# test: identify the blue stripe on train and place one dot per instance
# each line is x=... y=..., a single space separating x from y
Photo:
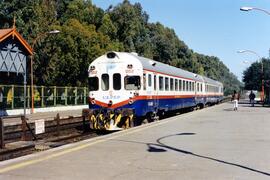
x=142 y=107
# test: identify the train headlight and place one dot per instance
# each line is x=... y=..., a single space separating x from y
x=110 y=103
x=93 y=101
x=130 y=101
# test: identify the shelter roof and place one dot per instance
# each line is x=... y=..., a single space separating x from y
x=5 y=33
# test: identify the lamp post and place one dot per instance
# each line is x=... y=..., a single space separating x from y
x=254 y=8
x=39 y=36
x=246 y=8
x=260 y=59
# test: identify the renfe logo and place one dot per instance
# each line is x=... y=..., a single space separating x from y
x=111 y=97
x=111 y=66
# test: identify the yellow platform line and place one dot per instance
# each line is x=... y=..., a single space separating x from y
x=79 y=147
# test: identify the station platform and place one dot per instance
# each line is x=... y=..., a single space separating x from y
x=213 y=143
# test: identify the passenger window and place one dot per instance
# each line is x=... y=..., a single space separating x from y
x=155 y=82
x=180 y=85
x=132 y=82
x=161 y=83
x=166 y=84
x=93 y=83
x=149 y=80
x=201 y=87
x=176 y=85
x=171 y=84
x=198 y=87
x=189 y=86
x=105 y=82
x=144 y=81
x=117 y=81
x=184 y=85
x=193 y=86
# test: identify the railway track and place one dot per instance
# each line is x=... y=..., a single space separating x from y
x=58 y=132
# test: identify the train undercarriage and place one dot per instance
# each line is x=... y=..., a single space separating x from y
x=110 y=119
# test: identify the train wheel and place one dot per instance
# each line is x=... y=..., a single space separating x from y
x=161 y=114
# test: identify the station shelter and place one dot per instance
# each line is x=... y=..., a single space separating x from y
x=15 y=55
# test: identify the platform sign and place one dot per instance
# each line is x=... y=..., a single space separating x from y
x=39 y=126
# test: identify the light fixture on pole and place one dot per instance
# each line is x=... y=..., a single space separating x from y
x=245 y=8
x=261 y=60
x=39 y=36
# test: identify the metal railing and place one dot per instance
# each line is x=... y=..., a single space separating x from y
x=13 y=96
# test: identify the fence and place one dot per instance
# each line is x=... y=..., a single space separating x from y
x=13 y=96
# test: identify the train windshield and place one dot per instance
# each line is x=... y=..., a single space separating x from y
x=132 y=83
x=93 y=83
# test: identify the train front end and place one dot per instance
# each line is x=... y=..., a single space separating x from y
x=114 y=80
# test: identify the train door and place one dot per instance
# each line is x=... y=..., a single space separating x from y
x=155 y=92
x=151 y=92
x=195 y=90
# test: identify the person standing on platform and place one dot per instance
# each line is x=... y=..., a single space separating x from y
x=235 y=99
x=252 y=98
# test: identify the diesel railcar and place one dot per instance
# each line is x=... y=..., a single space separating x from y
x=125 y=88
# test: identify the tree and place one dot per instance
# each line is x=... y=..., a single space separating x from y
x=88 y=31
x=252 y=76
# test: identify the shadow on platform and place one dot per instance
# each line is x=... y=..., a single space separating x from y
x=161 y=147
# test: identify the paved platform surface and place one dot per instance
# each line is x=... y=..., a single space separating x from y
x=213 y=143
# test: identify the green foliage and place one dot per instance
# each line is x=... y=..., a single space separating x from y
x=253 y=76
x=88 y=32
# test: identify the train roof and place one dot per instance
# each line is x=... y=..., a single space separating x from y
x=156 y=66
x=167 y=69
x=211 y=81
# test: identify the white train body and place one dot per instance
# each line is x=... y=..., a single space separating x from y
x=119 y=80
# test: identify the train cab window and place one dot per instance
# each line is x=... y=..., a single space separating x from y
x=132 y=82
x=180 y=85
x=155 y=82
x=105 y=82
x=184 y=85
x=166 y=84
x=171 y=84
x=117 y=81
x=93 y=83
x=161 y=83
x=176 y=84
x=149 y=80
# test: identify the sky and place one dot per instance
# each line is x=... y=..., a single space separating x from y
x=213 y=27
